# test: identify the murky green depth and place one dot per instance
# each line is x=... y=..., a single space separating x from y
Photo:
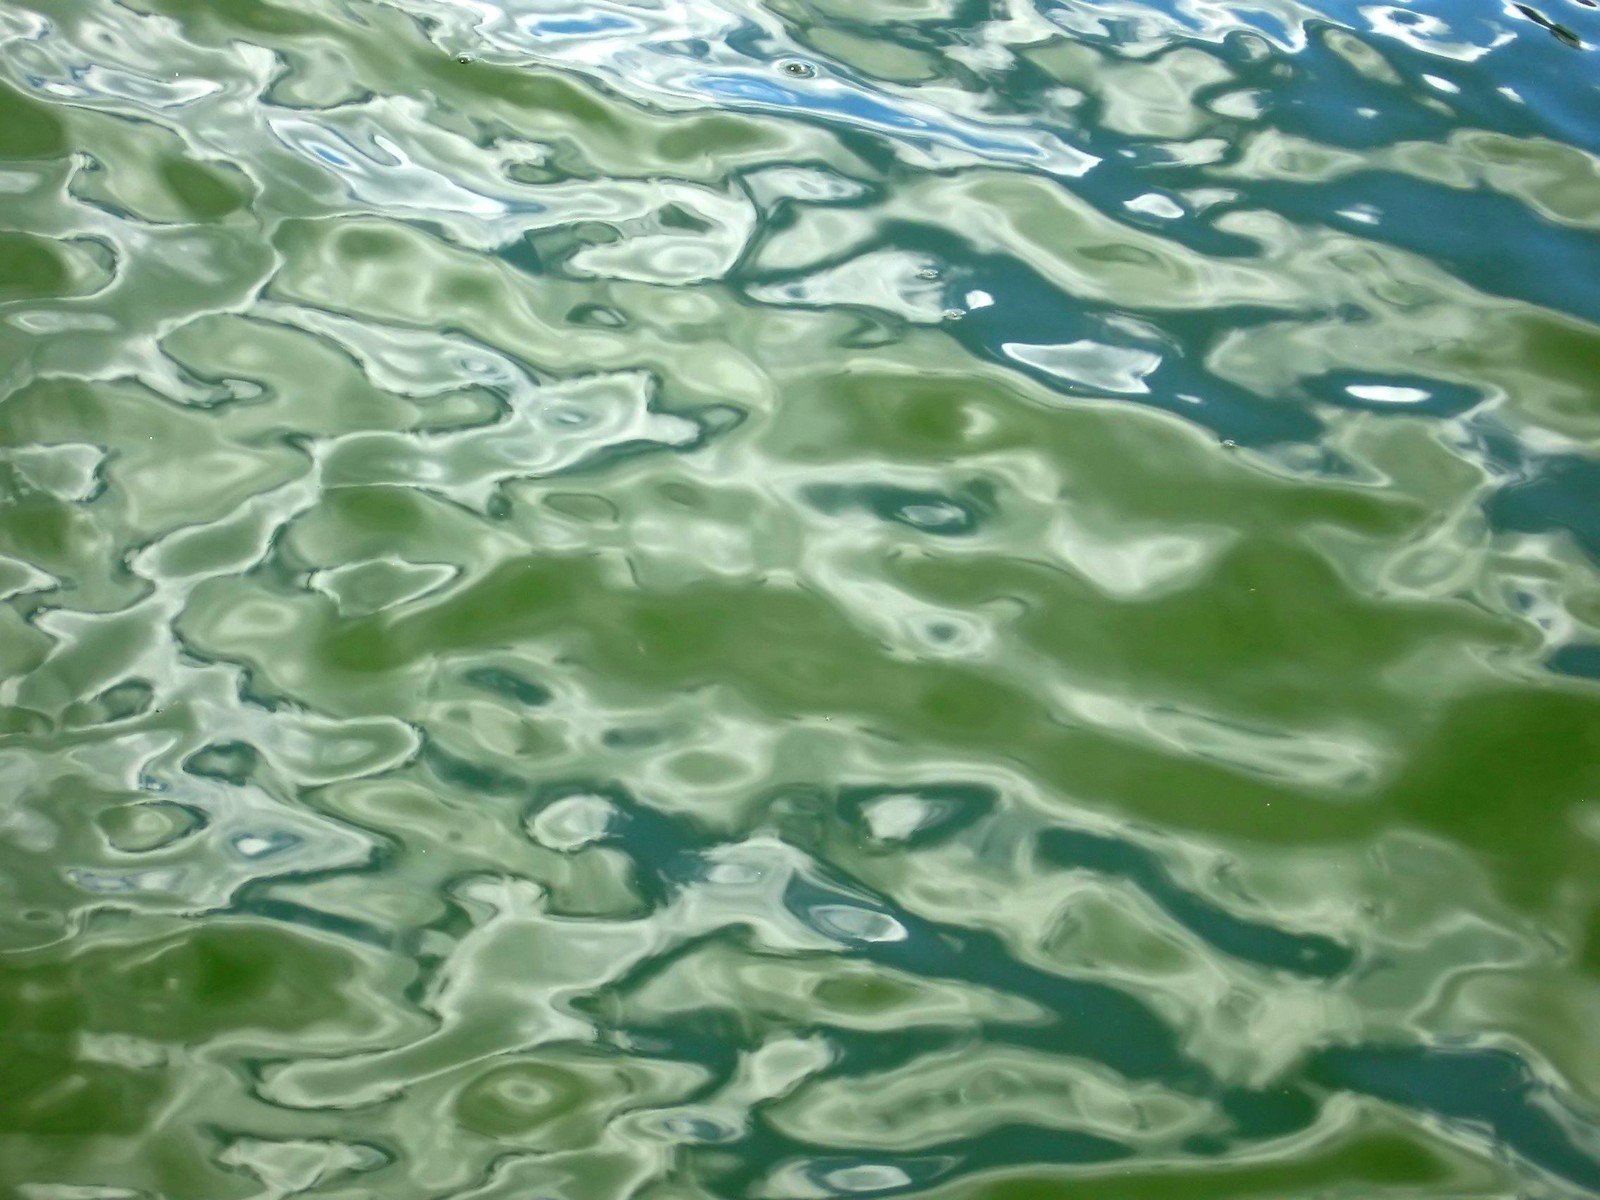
x=782 y=599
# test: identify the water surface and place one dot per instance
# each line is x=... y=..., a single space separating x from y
x=703 y=599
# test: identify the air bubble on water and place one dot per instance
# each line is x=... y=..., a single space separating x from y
x=733 y=873
x=897 y=817
x=572 y=822
x=798 y=68
x=849 y=923
x=866 y=1177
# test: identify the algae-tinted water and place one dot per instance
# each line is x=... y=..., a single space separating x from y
x=714 y=599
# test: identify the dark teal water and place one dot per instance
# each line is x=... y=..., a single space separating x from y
x=712 y=600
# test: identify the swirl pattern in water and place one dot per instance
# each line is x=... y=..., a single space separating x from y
x=782 y=599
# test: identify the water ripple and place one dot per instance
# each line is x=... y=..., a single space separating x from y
x=784 y=599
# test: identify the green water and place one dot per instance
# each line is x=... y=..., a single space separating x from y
x=780 y=599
